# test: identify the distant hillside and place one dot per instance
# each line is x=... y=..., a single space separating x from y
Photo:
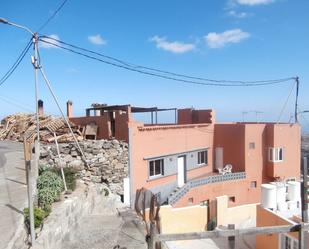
x=305 y=145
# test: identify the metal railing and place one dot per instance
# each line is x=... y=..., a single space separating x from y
x=204 y=181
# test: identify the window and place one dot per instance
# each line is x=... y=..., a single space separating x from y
x=232 y=198
x=253 y=184
x=288 y=242
x=275 y=154
x=156 y=168
x=190 y=200
x=202 y=157
x=252 y=145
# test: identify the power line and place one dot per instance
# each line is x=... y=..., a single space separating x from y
x=223 y=83
x=52 y=16
x=16 y=63
x=21 y=103
x=18 y=105
x=286 y=102
x=134 y=66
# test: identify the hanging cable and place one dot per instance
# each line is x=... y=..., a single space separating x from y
x=272 y=82
x=134 y=66
x=17 y=101
x=285 y=103
x=18 y=105
x=16 y=63
x=52 y=16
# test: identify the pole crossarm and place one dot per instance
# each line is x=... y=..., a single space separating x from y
x=219 y=233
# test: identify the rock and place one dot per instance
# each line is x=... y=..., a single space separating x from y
x=67 y=158
x=74 y=153
x=108 y=161
x=106 y=145
x=119 y=166
x=77 y=164
x=44 y=153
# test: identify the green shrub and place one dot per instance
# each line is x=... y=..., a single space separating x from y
x=70 y=176
x=47 y=196
x=49 y=179
x=43 y=168
x=47 y=210
x=39 y=216
x=211 y=225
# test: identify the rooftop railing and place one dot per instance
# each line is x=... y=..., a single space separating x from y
x=204 y=181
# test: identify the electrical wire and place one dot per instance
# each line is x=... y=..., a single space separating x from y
x=286 y=102
x=19 y=105
x=134 y=66
x=16 y=63
x=52 y=16
x=17 y=101
x=271 y=82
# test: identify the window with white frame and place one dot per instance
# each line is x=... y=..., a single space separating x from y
x=156 y=168
x=288 y=242
x=202 y=157
x=275 y=154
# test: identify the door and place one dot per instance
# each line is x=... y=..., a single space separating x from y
x=181 y=171
x=219 y=158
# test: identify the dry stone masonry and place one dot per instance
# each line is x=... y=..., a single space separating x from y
x=107 y=160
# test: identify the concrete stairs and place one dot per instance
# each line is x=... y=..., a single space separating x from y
x=99 y=231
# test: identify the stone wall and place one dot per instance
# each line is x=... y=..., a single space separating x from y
x=107 y=161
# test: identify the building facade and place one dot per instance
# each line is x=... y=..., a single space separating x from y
x=194 y=159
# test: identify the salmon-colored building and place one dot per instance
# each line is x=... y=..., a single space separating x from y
x=194 y=159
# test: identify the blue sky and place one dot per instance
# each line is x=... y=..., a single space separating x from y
x=222 y=39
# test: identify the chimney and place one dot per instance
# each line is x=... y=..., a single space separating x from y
x=69 y=109
x=41 y=107
x=96 y=112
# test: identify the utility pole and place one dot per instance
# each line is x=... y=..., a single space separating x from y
x=35 y=64
x=296 y=99
x=27 y=155
x=303 y=240
x=27 y=147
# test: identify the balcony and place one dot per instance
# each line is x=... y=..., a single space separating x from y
x=174 y=197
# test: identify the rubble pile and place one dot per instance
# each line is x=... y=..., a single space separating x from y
x=14 y=127
x=107 y=161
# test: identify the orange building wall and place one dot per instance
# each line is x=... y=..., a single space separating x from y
x=239 y=189
x=287 y=136
x=121 y=124
x=265 y=217
x=191 y=116
x=100 y=121
x=235 y=139
x=156 y=141
x=231 y=138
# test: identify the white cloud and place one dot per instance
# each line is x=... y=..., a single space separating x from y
x=96 y=39
x=254 y=2
x=218 y=40
x=174 y=47
x=49 y=39
x=238 y=14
